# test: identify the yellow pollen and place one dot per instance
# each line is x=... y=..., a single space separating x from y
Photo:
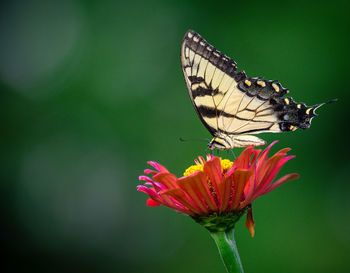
x=192 y=169
x=247 y=82
x=226 y=164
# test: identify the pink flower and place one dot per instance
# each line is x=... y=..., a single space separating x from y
x=216 y=192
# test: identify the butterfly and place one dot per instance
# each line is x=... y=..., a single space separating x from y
x=233 y=106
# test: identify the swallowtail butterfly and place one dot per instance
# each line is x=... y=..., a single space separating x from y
x=233 y=106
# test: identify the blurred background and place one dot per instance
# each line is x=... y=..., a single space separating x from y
x=91 y=90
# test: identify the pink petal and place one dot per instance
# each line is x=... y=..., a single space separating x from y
x=281 y=181
x=256 y=153
x=148 y=171
x=264 y=171
x=273 y=173
x=150 y=192
x=158 y=167
x=145 y=178
x=264 y=155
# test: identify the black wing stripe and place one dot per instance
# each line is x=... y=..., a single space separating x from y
x=202 y=92
x=210 y=112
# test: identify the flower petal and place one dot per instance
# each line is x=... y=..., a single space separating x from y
x=189 y=185
x=243 y=160
x=181 y=197
x=201 y=183
x=145 y=178
x=249 y=189
x=281 y=181
x=212 y=169
x=273 y=169
x=158 y=166
x=240 y=178
x=226 y=190
x=167 y=179
x=249 y=223
x=150 y=191
x=148 y=171
x=152 y=203
x=264 y=155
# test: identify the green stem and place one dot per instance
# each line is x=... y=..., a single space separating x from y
x=226 y=244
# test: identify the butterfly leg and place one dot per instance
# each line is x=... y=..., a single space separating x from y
x=234 y=156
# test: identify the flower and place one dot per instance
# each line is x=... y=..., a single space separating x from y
x=217 y=192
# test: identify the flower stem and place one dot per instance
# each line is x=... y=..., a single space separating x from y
x=226 y=244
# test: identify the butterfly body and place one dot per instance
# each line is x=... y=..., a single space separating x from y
x=233 y=106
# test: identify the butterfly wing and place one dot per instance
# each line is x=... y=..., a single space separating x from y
x=230 y=103
x=209 y=75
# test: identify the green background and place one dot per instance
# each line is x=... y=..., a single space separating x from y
x=91 y=90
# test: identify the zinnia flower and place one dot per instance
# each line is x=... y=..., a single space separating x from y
x=217 y=192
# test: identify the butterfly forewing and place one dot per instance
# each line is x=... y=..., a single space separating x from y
x=209 y=75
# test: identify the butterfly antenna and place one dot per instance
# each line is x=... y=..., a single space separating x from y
x=193 y=139
x=320 y=104
x=331 y=101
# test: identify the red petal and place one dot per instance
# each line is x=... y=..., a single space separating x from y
x=201 y=183
x=281 y=181
x=240 y=177
x=264 y=155
x=188 y=185
x=270 y=175
x=226 y=189
x=264 y=171
x=242 y=162
x=249 y=223
x=167 y=179
x=212 y=169
x=249 y=189
x=152 y=203
x=181 y=197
